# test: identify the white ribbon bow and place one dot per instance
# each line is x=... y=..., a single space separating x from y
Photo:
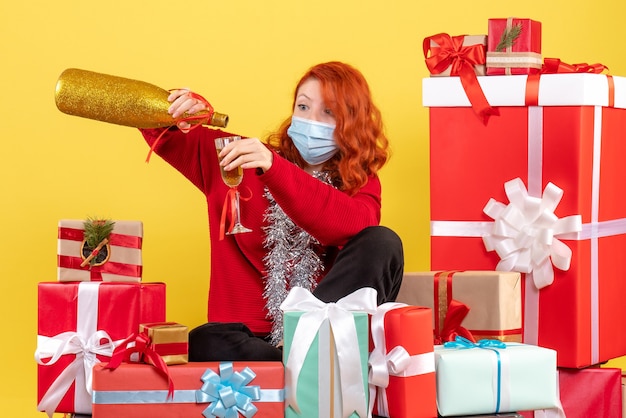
x=525 y=232
x=398 y=362
x=71 y=342
x=343 y=328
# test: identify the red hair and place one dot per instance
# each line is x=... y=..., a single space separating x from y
x=363 y=146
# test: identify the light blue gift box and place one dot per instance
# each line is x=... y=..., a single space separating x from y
x=487 y=380
x=318 y=391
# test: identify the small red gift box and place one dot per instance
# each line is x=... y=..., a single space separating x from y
x=590 y=392
x=170 y=340
x=561 y=158
x=80 y=324
x=119 y=260
x=215 y=389
x=513 y=46
x=402 y=364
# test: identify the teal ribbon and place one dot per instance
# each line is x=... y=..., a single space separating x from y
x=493 y=345
x=462 y=342
x=227 y=392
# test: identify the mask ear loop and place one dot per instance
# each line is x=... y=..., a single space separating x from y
x=189 y=118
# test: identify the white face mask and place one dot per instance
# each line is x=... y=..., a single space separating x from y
x=314 y=140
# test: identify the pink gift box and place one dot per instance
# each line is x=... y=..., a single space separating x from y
x=79 y=324
x=140 y=391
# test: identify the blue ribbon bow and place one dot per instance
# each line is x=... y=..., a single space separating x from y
x=227 y=393
x=493 y=345
x=462 y=342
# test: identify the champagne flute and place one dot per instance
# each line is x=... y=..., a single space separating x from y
x=232 y=178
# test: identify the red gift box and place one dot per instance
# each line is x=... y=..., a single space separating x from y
x=80 y=324
x=140 y=391
x=120 y=260
x=573 y=140
x=513 y=46
x=590 y=392
x=402 y=364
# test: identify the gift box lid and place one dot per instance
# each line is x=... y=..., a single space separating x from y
x=572 y=89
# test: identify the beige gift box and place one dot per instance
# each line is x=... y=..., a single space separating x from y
x=170 y=340
x=119 y=259
x=468 y=40
x=494 y=299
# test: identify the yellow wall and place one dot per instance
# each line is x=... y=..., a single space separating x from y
x=244 y=56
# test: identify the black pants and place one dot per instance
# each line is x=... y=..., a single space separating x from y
x=372 y=258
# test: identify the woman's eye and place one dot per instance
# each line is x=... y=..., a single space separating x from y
x=302 y=106
x=328 y=112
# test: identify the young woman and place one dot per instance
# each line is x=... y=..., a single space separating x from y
x=310 y=195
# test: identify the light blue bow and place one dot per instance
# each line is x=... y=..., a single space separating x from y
x=462 y=342
x=227 y=392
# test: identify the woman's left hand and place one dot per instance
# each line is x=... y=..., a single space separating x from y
x=246 y=153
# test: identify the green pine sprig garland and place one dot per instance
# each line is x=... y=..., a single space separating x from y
x=96 y=230
x=509 y=36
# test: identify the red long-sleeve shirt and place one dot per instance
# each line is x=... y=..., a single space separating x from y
x=237 y=268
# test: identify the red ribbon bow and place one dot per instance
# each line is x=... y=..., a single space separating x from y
x=452 y=328
x=190 y=118
x=143 y=346
x=556 y=66
x=230 y=205
x=229 y=201
x=450 y=52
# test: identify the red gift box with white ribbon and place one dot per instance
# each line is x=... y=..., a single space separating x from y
x=402 y=362
x=538 y=191
x=79 y=325
x=119 y=260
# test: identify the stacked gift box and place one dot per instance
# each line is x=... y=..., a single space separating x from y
x=96 y=303
x=105 y=349
x=524 y=179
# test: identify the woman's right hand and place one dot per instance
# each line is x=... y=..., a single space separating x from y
x=183 y=102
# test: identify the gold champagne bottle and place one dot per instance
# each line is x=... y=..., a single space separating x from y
x=121 y=101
